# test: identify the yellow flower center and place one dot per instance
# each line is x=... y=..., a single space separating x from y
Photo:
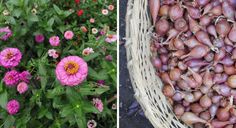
x=110 y=36
x=9 y=55
x=71 y=67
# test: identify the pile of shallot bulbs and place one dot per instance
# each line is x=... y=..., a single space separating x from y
x=194 y=53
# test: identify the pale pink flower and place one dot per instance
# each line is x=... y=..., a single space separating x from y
x=11 y=78
x=13 y=107
x=111 y=7
x=108 y=58
x=10 y=57
x=7 y=33
x=22 y=87
x=114 y=106
x=111 y=38
x=54 y=40
x=94 y=30
x=87 y=51
x=105 y=11
x=71 y=71
x=68 y=35
x=51 y=52
x=91 y=124
x=56 y=55
x=92 y=20
x=98 y=104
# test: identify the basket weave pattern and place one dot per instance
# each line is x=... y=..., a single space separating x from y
x=146 y=84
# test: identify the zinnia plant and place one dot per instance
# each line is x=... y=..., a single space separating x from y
x=58 y=63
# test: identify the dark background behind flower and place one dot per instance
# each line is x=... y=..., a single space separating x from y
x=131 y=114
x=47 y=103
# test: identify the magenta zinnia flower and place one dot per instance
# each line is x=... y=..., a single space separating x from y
x=68 y=35
x=39 y=38
x=22 y=87
x=71 y=70
x=54 y=40
x=25 y=76
x=13 y=107
x=7 y=33
x=10 y=57
x=11 y=78
x=98 y=104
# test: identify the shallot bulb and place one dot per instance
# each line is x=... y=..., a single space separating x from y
x=211 y=29
x=193 y=12
x=228 y=10
x=232 y=33
x=164 y=10
x=232 y=81
x=197 y=52
x=154 y=9
x=222 y=28
x=175 y=12
x=215 y=11
x=181 y=25
x=162 y=27
x=190 y=118
x=203 y=37
x=179 y=110
x=192 y=42
x=175 y=74
x=205 y=101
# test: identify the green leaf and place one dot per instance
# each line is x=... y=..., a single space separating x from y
x=91 y=56
x=33 y=18
x=3 y=99
x=102 y=75
x=9 y=122
x=66 y=111
x=17 y=12
x=57 y=9
x=50 y=22
x=93 y=90
x=43 y=75
x=58 y=90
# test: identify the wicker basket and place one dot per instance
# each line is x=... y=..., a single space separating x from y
x=146 y=85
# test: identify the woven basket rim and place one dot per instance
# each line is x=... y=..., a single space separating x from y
x=134 y=8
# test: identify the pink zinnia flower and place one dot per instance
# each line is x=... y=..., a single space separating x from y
x=13 y=107
x=92 y=124
x=25 y=76
x=111 y=38
x=111 y=7
x=68 y=35
x=98 y=104
x=54 y=40
x=87 y=51
x=104 y=11
x=92 y=20
x=39 y=38
x=11 y=78
x=7 y=33
x=71 y=70
x=108 y=58
x=22 y=87
x=10 y=57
